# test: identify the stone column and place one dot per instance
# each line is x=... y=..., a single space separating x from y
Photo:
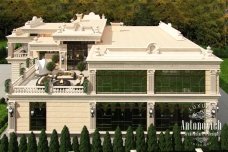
x=92 y=116
x=150 y=118
x=10 y=49
x=214 y=81
x=150 y=81
x=92 y=77
x=11 y=118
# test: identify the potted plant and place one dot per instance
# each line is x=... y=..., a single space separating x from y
x=22 y=71
x=7 y=85
x=81 y=66
x=50 y=66
x=55 y=58
x=27 y=62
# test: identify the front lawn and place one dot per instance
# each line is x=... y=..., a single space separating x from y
x=2 y=43
x=224 y=75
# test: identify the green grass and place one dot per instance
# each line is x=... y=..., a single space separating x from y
x=2 y=43
x=3 y=111
x=224 y=75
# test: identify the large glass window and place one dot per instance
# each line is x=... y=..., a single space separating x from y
x=37 y=115
x=111 y=115
x=121 y=81
x=182 y=81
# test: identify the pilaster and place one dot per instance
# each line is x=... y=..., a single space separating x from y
x=150 y=81
x=11 y=116
x=150 y=113
x=92 y=115
x=92 y=77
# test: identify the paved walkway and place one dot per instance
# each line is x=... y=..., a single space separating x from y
x=223 y=107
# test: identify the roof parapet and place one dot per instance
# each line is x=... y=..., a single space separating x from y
x=34 y=22
x=171 y=31
x=116 y=27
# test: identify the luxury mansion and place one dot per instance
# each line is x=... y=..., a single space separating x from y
x=103 y=75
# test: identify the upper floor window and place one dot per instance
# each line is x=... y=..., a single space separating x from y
x=33 y=34
x=37 y=115
x=179 y=81
x=121 y=81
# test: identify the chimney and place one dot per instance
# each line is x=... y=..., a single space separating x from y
x=79 y=17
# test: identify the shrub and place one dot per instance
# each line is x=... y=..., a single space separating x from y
x=46 y=86
x=23 y=144
x=32 y=145
x=130 y=140
x=96 y=143
x=50 y=66
x=7 y=85
x=140 y=139
x=177 y=138
x=13 y=144
x=84 y=140
x=162 y=142
x=75 y=144
x=2 y=101
x=152 y=145
x=118 y=141
x=27 y=62
x=224 y=139
x=81 y=66
x=22 y=71
x=168 y=141
x=188 y=142
x=55 y=58
x=34 y=60
x=4 y=144
x=65 y=143
x=43 y=143
x=54 y=142
x=107 y=144
x=85 y=85
x=213 y=141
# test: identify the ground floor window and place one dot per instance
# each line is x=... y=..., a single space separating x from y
x=110 y=115
x=37 y=115
x=168 y=114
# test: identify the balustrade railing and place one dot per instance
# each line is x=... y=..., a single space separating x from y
x=19 y=54
x=29 y=90
x=67 y=90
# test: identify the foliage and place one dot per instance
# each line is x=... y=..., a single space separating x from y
x=46 y=86
x=2 y=101
x=50 y=66
x=34 y=60
x=161 y=142
x=152 y=145
x=188 y=142
x=4 y=144
x=81 y=66
x=22 y=71
x=177 y=138
x=224 y=75
x=224 y=139
x=55 y=58
x=3 y=128
x=118 y=141
x=43 y=143
x=221 y=52
x=13 y=144
x=85 y=85
x=140 y=140
x=96 y=143
x=3 y=54
x=23 y=144
x=107 y=144
x=54 y=142
x=130 y=140
x=84 y=141
x=27 y=62
x=7 y=85
x=65 y=142
x=213 y=141
x=168 y=141
x=75 y=144
x=32 y=145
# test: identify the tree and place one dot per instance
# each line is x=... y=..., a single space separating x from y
x=152 y=144
x=168 y=141
x=213 y=141
x=65 y=143
x=23 y=144
x=162 y=142
x=224 y=139
x=140 y=140
x=32 y=145
x=75 y=144
x=118 y=141
x=43 y=143
x=55 y=58
x=107 y=144
x=96 y=143
x=177 y=138
x=81 y=66
x=4 y=144
x=130 y=140
x=84 y=140
x=54 y=142
x=188 y=142
x=13 y=144
x=50 y=66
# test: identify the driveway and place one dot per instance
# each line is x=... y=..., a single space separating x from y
x=223 y=107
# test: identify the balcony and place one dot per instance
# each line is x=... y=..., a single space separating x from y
x=21 y=52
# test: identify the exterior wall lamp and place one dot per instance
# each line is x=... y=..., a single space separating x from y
x=151 y=112
x=10 y=110
x=62 y=59
x=151 y=109
x=32 y=112
x=92 y=111
x=214 y=110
